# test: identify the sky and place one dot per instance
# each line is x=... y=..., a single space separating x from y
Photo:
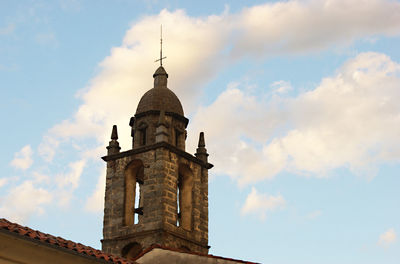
x=298 y=101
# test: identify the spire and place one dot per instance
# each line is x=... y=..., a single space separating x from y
x=160 y=76
x=201 y=152
x=161 y=56
x=161 y=130
x=113 y=146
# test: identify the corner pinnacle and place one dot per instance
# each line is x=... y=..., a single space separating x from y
x=202 y=142
x=113 y=146
x=114 y=133
x=201 y=152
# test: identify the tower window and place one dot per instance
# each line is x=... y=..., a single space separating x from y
x=138 y=202
x=133 y=192
x=143 y=138
x=178 y=222
x=177 y=136
x=142 y=128
x=184 y=197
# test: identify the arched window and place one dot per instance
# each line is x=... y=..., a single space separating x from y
x=142 y=134
x=184 y=197
x=133 y=193
x=131 y=250
x=143 y=137
x=177 y=136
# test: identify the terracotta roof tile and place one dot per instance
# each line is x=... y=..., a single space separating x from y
x=147 y=250
x=61 y=242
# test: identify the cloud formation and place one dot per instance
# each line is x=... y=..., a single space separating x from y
x=95 y=202
x=312 y=25
x=314 y=214
x=343 y=122
x=72 y=177
x=32 y=195
x=387 y=238
x=199 y=48
x=269 y=29
x=3 y=182
x=48 y=147
x=23 y=158
x=260 y=204
x=23 y=201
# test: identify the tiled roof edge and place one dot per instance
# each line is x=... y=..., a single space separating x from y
x=59 y=242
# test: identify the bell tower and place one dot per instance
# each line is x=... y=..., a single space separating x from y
x=156 y=192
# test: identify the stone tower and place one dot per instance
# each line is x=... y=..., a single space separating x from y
x=156 y=192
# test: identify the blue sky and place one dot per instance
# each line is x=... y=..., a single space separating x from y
x=298 y=101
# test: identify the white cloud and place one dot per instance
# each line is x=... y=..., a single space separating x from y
x=23 y=201
x=3 y=181
x=344 y=121
x=312 y=25
x=260 y=204
x=245 y=123
x=199 y=47
x=40 y=177
x=47 y=148
x=341 y=123
x=72 y=177
x=23 y=158
x=95 y=203
x=32 y=196
x=387 y=238
x=314 y=214
x=281 y=87
x=124 y=76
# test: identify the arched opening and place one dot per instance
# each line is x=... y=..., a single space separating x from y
x=143 y=137
x=185 y=197
x=131 y=250
x=133 y=193
x=177 y=137
x=142 y=134
x=178 y=202
x=138 y=201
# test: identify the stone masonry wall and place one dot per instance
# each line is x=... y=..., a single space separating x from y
x=173 y=125
x=158 y=224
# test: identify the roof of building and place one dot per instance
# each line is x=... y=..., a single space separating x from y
x=154 y=246
x=160 y=98
x=41 y=237
x=35 y=235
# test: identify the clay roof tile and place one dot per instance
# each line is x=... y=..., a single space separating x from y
x=61 y=242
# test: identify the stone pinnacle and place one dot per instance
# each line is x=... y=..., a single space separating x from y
x=202 y=142
x=114 y=133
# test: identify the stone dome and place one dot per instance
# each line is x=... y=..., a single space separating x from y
x=160 y=97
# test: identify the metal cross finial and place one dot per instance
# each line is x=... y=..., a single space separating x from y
x=161 y=57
